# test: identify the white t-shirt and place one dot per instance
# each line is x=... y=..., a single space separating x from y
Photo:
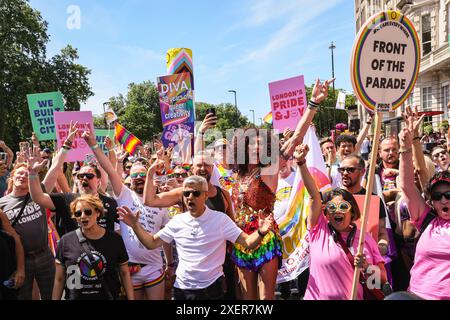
x=151 y=219
x=201 y=245
x=282 y=196
x=335 y=176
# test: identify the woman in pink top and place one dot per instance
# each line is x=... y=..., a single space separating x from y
x=331 y=273
x=430 y=274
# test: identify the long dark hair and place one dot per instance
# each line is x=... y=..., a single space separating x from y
x=242 y=168
x=347 y=196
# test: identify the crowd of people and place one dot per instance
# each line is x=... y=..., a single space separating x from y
x=146 y=226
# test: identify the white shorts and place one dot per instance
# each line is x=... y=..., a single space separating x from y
x=147 y=277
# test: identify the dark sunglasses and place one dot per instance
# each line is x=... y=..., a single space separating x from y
x=140 y=175
x=180 y=175
x=89 y=176
x=436 y=196
x=347 y=169
x=87 y=212
x=195 y=193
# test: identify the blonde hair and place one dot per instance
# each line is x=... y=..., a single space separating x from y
x=91 y=200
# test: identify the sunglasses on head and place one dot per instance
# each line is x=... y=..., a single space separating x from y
x=347 y=169
x=89 y=176
x=135 y=175
x=436 y=196
x=343 y=206
x=87 y=212
x=195 y=193
x=436 y=155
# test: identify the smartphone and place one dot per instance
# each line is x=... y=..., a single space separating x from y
x=24 y=146
x=211 y=110
x=3 y=156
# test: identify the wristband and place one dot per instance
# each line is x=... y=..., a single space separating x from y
x=416 y=138
x=405 y=150
x=65 y=150
x=302 y=162
x=66 y=147
x=261 y=234
x=312 y=105
x=171 y=265
x=95 y=146
x=32 y=175
x=112 y=149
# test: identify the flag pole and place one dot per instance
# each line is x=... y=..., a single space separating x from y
x=369 y=188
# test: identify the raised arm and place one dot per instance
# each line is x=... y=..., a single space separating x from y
x=319 y=93
x=161 y=200
x=52 y=175
x=207 y=123
x=149 y=240
x=10 y=159
x=413 y=199
x=413 y=123
x=362 y=135
x=315 y=198
x=104 y=162
x=35 y=164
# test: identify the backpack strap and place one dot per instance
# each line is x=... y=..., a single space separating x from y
x=16 y=219
x=87 y=247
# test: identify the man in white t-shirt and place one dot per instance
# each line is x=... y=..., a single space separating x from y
x=146 y=266
x=200 y=235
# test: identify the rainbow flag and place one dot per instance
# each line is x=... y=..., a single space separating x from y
x=125 y=138
x=292 y=223
x=268 y=118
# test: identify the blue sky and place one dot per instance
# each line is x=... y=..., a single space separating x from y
x=237 y=44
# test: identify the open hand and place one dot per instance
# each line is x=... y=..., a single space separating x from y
x=128 y=217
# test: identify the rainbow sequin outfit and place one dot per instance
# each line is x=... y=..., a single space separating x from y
x=250 y=203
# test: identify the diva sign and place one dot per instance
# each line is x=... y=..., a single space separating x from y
x=385 y=61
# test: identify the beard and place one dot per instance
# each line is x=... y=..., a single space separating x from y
x=204 y=174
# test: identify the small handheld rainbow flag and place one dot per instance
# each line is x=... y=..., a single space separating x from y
x=125 y=138
x=268 y=118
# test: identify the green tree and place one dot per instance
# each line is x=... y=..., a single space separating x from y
x=24 y=69
x=227 y=116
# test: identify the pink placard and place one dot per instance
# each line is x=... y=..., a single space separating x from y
x=62 y=123
x=374 y=214
x=288 y=102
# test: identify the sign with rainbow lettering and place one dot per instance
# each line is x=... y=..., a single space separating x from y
x=177 y=108
x=385 y=61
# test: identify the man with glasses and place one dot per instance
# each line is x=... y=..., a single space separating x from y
x=200 y=235
x=146 y=266
x=352 y=170
x=88 y=182
x=440 y=158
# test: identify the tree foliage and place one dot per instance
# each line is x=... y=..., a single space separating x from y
x=139 y=112
x=24 y=69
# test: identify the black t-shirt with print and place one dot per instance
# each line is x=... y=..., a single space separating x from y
x=81 y=280
x=63 y=217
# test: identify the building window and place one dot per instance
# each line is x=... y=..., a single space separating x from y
x=445 y=94
x=426 y=34
x=426 y=102
x=410 y=100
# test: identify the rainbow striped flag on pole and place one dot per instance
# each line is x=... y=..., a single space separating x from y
x=293 y=223
x=125 y=138
x=268 y=118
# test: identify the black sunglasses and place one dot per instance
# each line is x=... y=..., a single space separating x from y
x=347 y=169
x=180 y=175
x=195 y=193
x=90 y=176
x=436 y=196
x=78 y=213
